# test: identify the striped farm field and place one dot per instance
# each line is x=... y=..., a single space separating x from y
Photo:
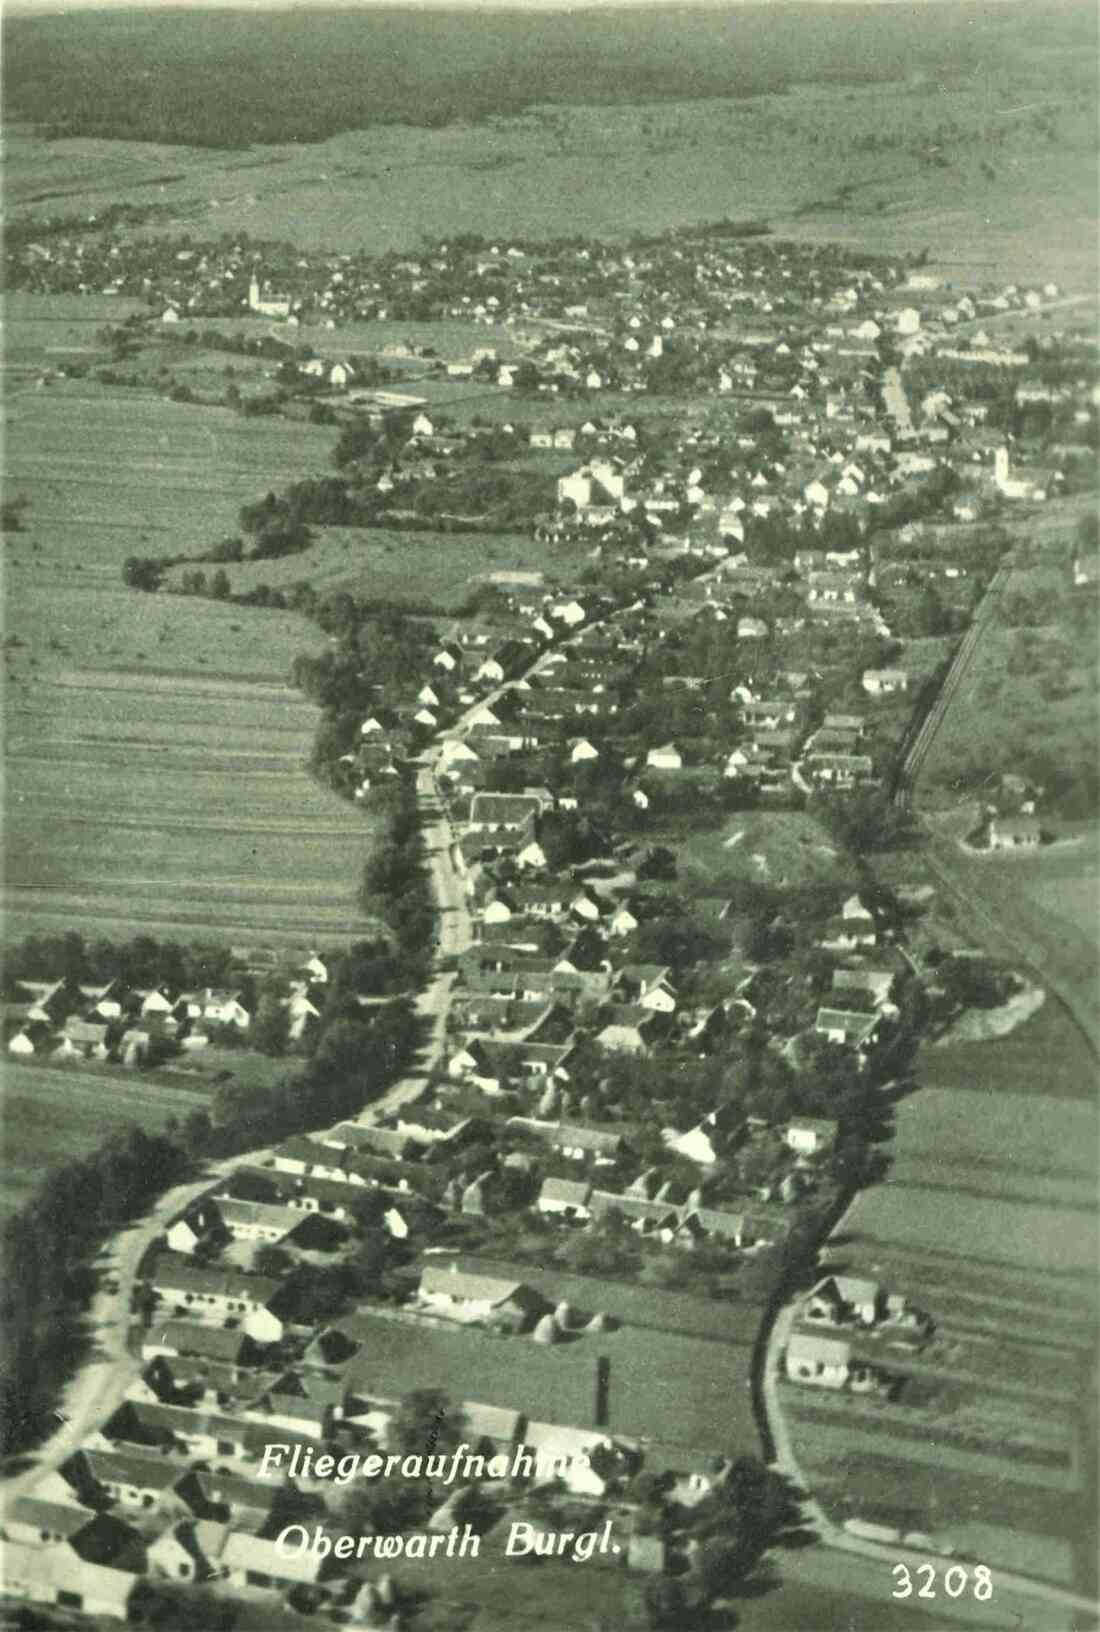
x=156 y=760
x=180 y=806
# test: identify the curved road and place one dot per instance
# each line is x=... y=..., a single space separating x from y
x=96 y=1391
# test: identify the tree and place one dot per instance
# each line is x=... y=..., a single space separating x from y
x=1087 y=535
x=426 y=1424
x=197 y=1128
x=270 y=1029
x=666 y=1603
x=272 y=1260
x=171 y=1609
x=142 y=572
x=220 y=587
x=866 y=821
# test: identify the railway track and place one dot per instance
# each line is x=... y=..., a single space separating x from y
x=917 y=751
x=996 y=927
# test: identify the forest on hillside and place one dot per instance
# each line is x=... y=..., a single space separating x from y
x=231 y=79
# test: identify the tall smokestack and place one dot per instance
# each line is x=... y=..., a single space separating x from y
x=603 y=1392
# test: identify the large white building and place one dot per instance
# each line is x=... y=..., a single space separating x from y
x=269 y=304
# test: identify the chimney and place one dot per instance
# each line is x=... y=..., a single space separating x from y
x=603 y=1392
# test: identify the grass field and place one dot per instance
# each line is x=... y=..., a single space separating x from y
x=773 y=847
x=979 y=1227
x=439 y=569
x=982 y=1126
x=664 y=1386
x=53 y=1113
x=1029 y=701
x=185 y=802
x=864 y=1475
x=140 y=475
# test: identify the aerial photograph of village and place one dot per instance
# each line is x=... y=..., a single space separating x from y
x=551 y=825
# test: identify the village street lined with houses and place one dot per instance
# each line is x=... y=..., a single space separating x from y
x=684 y=1129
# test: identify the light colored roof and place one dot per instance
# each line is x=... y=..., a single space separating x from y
x=571 y=1191
x=490 y=1421
x=258 y=1212
x=63 y=1571
x=457 y=1283
x=812 y=1346
x=243 y=1552
x=60 y=1518
x=852 y=1288
x=854 y=1026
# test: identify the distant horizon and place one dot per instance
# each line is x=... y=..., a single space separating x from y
x=32 y=8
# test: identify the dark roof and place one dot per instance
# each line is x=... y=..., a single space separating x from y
x=120 y=1467
x=186 y=1337
x=224 y=1283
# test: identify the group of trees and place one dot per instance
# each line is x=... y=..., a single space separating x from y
x=140 y=962
x=396 y=886
x=751 y=1511
x=356 y=1056
x=46 y=1251
x=865 y=820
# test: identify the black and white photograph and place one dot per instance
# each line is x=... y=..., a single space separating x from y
x=550 y=895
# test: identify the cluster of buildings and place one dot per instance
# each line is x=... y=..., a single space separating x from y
x=851 y=1334
x=867 y=372
x=128 y=1024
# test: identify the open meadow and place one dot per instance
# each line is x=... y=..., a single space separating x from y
x=777 y=847
x=1029 y=700
x=56 y=1113
x=430 y=569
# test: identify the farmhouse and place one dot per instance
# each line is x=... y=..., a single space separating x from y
x=884 y=682
x=97 y=1537
x=810 y=1136
x=565 y=1198
x=477 y=1297
x=1016 y=833
x=55 y=1575
x=847 y=1027
x=132 y=1481
x=184 y=1337
x=188 y=1550
x=221 y=1293
x=844 y=1299
x=253 y=1562
x=505 y=812
x=823 y=1361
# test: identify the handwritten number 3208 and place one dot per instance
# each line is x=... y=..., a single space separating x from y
x=954 y=1582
